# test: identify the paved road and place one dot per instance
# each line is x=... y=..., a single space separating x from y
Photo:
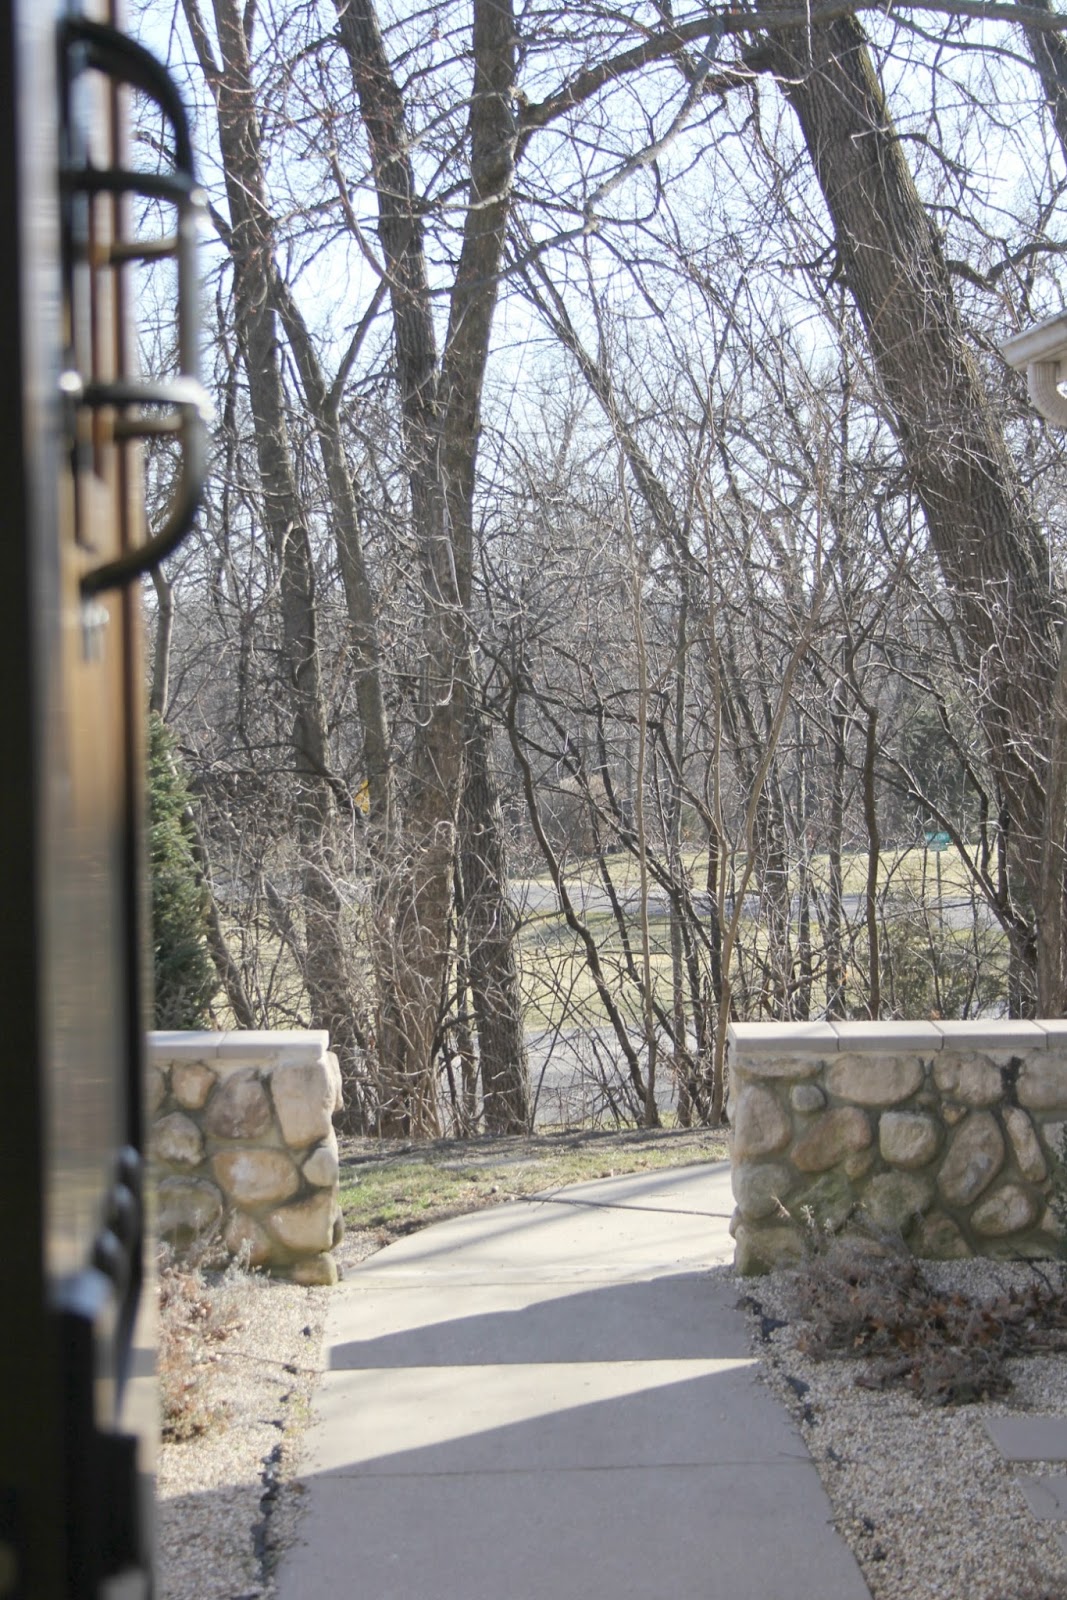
x=591 y=899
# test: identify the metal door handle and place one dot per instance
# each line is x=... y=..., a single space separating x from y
x=178 y=406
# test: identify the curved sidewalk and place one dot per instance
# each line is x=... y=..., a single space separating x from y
x=554 y=1400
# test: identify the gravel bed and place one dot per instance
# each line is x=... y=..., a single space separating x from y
x=920 y=1492
x=216 y=1493
x=226 y=1500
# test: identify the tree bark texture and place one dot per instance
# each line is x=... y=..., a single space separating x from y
x=490 y=928
x=1049 y=53
x=992 y=554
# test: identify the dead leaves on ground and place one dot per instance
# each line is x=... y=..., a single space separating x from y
x=872 y=1304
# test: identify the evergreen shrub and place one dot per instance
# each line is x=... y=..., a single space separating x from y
x=184 y=976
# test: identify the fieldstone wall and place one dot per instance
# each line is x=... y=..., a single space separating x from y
x=944 y=1132
x=242 y=1140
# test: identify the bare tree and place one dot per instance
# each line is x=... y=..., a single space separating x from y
x=710 y=695
x=250 y=240
x=991 y=551
x=441 y=404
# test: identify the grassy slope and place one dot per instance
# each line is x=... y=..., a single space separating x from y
x=389 y=1188
x=901 y=870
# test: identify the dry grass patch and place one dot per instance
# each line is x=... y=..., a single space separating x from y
x=391 y=1188
x=200 y=1308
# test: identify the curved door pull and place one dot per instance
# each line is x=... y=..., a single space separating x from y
x=178 y=406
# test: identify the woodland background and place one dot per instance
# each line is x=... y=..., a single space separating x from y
x=630 y=587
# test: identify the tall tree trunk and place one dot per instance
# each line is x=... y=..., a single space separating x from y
x=391 y=1003
x=1049 y=52
x=323 y=402
x=441 y=405
x=835 y=892
x=991 y=552
x=251 y=247
x=230 y=976
x=874 y=856
x=650 y=1112
x=683 y=1066
x=800 y=1004
x=490 y=927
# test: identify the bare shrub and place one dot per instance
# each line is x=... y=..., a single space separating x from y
x=865 y=1298
x=200 y=1307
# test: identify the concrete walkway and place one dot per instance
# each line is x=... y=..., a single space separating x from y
x=553 y=1400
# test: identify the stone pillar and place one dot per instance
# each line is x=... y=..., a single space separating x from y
x=243 y=1145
